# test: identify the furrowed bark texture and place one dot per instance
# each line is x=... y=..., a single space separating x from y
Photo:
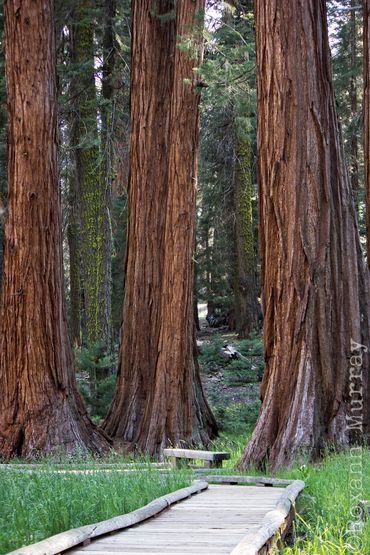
x=40 y=410
x=154 y=404
x=94 y=211
x=315 y=284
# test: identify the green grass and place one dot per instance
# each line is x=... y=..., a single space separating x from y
x=332 y=491
x=38 y=504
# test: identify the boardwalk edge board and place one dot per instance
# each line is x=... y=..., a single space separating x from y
x=63 y=468
x=71 y=538
x=232 y=479
x=272 y=525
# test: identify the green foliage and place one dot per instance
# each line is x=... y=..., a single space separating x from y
x=253 y=346
x=37 y=504
x=248 y=369
x=226 y=377
x=96 y=378
x=240 y=372
x=325 y=507
x=238 y=418
x=209 y=358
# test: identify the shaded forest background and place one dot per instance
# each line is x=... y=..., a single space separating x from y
x=93 y=78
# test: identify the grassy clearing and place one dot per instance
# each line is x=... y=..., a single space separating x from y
x=329 y=505
x=38 y=504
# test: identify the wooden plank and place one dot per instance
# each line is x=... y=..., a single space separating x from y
x=209 y=524
x=224 y=519
x=260 y=480
x=272 y=524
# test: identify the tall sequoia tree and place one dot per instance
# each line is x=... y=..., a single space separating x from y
x=40 y=409
x=315 y=284
x=158 y=398
x=2 y=145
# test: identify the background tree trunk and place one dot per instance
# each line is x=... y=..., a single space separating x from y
x=40 y=410
x=366 y=115
x=107 y=137
x=154 y=402
x=245 y=288
x=74 y=243
x=353 y=95
x=315 y=285
x=94 y=212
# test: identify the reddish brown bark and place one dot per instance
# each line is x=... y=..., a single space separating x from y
x=154 y=404
x=40 y=410
x=315 y=284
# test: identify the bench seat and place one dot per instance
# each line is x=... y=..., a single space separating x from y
x=212 y=459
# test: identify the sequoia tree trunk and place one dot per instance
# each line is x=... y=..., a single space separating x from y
x=40 y=410
x=154 y=403
x=2 y=154
x=245 y=288
x=315 y=283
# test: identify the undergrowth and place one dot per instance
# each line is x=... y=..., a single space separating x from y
x=235 y=416
x=329 y=506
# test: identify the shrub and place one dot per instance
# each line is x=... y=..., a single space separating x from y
x=96 y=378
x=238 y=418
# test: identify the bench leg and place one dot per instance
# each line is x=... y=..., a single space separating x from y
x=178 y=462
x=212 y=464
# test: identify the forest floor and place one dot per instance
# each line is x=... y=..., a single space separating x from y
x=231 y=387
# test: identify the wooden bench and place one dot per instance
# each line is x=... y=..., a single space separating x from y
x=212 y=459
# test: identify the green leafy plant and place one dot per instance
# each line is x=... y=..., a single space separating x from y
x=238 y=418
x=96 y=378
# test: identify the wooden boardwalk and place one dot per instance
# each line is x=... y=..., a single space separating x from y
x=212 y=522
